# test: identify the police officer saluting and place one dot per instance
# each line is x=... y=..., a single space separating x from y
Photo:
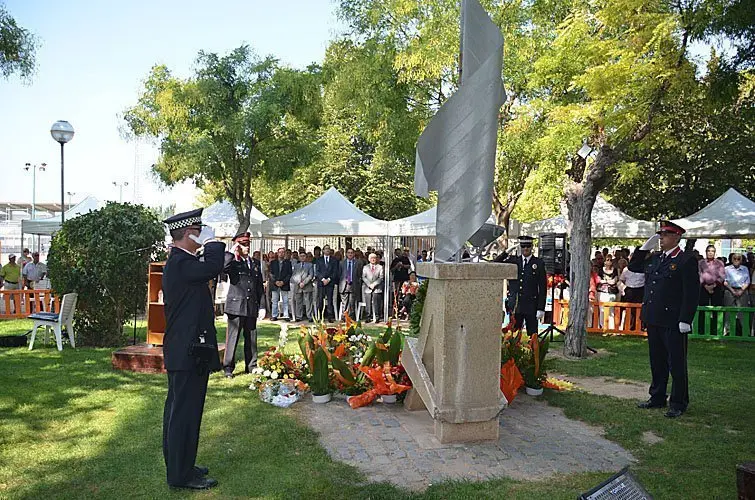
x=671 y=294
x=190 y=345
x=526 y=296
x=242 y=303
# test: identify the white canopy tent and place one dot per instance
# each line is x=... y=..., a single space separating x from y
x=423 y=225
x=221 y=216
x=607 y=222
x=731 y=215
x=50 y=225
x=329 y=215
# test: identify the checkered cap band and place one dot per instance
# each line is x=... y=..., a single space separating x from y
x=190 y=221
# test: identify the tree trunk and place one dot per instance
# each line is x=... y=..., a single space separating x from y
x=580 y=235
x=580 y=199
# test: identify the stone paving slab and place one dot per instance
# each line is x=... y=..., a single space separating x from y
x=388 y=443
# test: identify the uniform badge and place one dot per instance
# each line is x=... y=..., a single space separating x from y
x=534 y=266
x=672 y=267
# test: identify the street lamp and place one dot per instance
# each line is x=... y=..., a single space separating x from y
x=62 y=131
x=41 y=167
x=70 y=194
x=120 y=186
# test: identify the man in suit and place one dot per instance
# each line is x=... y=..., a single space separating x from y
x=242 y=303
x=526 y=297
x=326 y=272
x=280 y=272
x=190 y=320
x=373 y=277
x=672 y=283
x=350 y=284
x=301 y=283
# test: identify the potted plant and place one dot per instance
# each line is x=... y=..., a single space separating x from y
x=533 y=369
x=320 y=381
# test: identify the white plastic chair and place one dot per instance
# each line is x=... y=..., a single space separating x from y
x=56 y=322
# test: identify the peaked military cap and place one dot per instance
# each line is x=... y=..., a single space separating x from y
x=185 y=219
x=666 y=226
x=242 y=237
x=525 y=241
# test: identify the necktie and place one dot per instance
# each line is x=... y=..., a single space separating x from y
x=348 y=273
x=373 y=267
x=326 y=261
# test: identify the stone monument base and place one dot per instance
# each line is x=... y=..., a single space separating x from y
x=455 y=363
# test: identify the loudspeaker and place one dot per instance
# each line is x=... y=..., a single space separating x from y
x=553 y=249
x=621 y=486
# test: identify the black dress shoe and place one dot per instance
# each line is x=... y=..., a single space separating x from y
x=228 y=374
x=201 y=470
x=274 y=318
x=650 y=404
x=198 y=483
x=673 y=413
x=368 y=320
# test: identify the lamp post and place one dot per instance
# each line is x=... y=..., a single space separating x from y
x=62 y=132
x=70 y=195
x=120 y=185
x=41 y=167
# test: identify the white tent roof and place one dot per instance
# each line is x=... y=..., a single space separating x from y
x=329 y=215
x=423 y=224
x=222 y=217
x=607 y=222
x=732 y=214
x=50 y=225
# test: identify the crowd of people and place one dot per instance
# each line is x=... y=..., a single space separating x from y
x=23 y=273
x=305 y=285
x=723 y=282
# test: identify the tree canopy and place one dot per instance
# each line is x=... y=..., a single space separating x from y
x=238 y=118
x=18 y=47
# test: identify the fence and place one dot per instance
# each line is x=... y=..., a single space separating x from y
x=710 y=322
x=16 y=304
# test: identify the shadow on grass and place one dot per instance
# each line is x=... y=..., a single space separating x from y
x=74 y=428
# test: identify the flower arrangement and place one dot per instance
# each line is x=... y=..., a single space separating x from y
x=532 y=362
x=275 y=364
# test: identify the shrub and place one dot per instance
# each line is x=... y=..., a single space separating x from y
x=103 y=256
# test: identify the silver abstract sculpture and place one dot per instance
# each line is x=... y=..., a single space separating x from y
x=456 y=151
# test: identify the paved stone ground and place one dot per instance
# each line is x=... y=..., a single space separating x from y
x=607 y=386
x=381 y=439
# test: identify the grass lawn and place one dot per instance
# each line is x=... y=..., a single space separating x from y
x=72 y=427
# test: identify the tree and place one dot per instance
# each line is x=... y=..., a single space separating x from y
x=18 y=47
x=103 y=256
x=239 y=118
x=704 y=145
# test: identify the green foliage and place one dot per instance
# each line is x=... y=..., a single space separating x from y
x=103 y=256
x=342 y=368
x=18 y=47
x=415 y=317
x=239 y=118
x=320 y=380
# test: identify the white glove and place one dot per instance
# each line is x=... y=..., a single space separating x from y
x=207 y=234
x=261 y=313
x=540 y=315
x=651 y=243
x=684 y=327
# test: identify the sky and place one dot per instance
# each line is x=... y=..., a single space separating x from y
x=92 y=59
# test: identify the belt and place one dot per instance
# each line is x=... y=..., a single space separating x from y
x=12 y=282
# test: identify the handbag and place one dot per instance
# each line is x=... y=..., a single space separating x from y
x=201 y=351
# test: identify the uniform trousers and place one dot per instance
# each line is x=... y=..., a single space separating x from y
x=522 y=319
x=668 y=354
x=248 y=325
x=182 y=418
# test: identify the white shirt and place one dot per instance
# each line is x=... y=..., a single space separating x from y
x=34 y=272
x=632 y=279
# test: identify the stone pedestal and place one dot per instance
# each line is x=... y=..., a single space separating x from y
x=455 y=362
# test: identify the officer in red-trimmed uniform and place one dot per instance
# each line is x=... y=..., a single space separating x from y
x=668 y=308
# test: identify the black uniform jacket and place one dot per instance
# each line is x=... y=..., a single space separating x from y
x=526 y=294
x=672 y=287
x=246 y=290
x=189 y=309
